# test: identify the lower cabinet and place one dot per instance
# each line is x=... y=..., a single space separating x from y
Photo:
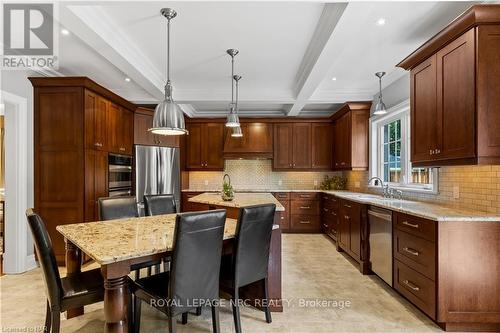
x=353 y=232
x=329 y=215
x=305 y=213
x=283 y=217
x=187 y=206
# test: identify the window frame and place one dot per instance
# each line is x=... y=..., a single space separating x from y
x=377 y=123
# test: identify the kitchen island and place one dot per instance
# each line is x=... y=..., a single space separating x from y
x=211 y=200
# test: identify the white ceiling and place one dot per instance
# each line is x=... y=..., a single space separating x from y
x=289 y=51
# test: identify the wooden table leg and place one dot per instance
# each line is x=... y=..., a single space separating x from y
x=73 y=266
x=116 y=297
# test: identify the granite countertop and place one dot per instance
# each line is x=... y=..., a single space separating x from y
x=111 y=241
x=240 y=200
x=422 y=209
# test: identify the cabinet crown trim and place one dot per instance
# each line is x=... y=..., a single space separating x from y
x=472 y=17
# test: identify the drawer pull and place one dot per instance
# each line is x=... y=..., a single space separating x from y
x=411 y=285
x=333 y=213
x=347 y=217
x=325 y=225
x=304 y=195
x=305 y=207
x=304 y=222
x=410 y=224
x=347 y=206
x=411 y=251
x=325 y=209
x=282 y=217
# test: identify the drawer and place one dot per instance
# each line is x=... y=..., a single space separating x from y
x=283 y=219
x=416 y=252
x=417 y=288
x=305 y=223
x=416 y=226
x=282 y=196
x=305 y=207
x=304 y=196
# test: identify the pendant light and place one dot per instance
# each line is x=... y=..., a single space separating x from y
x=380 y=106
x=232 y=117
x=168 y=117
x=237 y=133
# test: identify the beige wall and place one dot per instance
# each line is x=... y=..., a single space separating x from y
x=255 y=174
x=479 y=187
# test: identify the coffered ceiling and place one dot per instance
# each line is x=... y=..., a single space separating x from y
x=289 y=51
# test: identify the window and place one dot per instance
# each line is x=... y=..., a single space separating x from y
x=390 y=152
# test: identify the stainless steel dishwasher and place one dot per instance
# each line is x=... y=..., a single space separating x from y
x=381 y=242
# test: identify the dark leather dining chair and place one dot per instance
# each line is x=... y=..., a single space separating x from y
x=194 y=276
x=116 y=208
x=62 y=293
x=249 y=261
x=159 y=204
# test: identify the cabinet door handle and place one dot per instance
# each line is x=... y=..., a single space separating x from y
x=410 y=224
x=411 y=285
x=98 y=144
x=333 y=213
x=304 y=222
x=122 y=149
x=438 y=151
x=305 y=207
x=325 y=209
x=325 y=225
x=282 y=217
x=347 y=217
x=411 y=251
x=431 y=152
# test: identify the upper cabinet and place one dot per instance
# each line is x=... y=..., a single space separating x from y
x=350 y=136
x=143 y=121
x=257 y=141
x=204 y=146
x=302 y=145
x=455 y=92
x=120 y=129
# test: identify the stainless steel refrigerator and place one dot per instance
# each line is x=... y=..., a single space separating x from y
x=157 y=171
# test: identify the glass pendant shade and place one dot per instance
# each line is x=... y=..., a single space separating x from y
x=237 y=133
x=232 y=119
x=168 y=119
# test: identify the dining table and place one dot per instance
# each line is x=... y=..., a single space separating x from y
x=116 y=245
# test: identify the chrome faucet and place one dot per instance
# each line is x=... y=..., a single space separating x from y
x=385 y=188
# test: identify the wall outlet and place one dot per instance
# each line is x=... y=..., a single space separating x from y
x=456 y=192
x=280 y=182
x=357 y=184
x=206 y=182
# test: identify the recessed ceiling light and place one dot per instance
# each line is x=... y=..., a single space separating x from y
x=334 y=79
x=65 y=32
x=127 y=79
x=381 y=21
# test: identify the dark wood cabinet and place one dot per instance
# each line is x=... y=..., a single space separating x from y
x=329 y=215
x=71 y=145
x=143 y=121
x=301 y=146
x=454 y=92
x=321 y=147
x=353 y=232
x=283 y=149
x=305 y=212
x=350 y=132
x=187 y=206
x=204 y=146
x=284 y=217
x=257 y=141
x=120 y=129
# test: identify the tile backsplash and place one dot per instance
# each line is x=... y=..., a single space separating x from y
x=478 y=187
x=256 y=175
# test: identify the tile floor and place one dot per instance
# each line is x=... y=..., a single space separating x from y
x=312 y=269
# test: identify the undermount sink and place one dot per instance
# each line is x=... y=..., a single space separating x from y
x=375 y=197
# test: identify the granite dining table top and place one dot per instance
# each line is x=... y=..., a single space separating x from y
x=117 y=240
x=240 y=200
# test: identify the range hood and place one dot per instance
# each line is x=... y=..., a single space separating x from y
x=256 y=143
